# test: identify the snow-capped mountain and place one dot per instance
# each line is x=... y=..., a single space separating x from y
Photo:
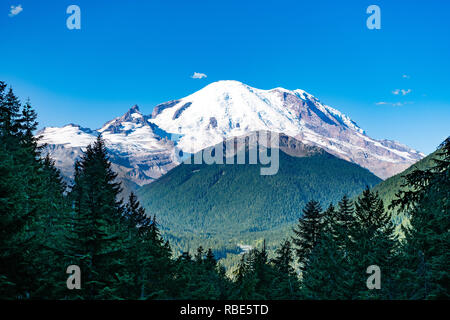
x=138 y=154
x=142 y=148
x=226 y=109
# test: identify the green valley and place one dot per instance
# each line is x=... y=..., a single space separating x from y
x=221 y=206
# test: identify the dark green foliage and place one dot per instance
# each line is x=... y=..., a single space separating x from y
x=285 y=284
x=220 y=206
x=326 y=276
x=32 y=206
x=258 y=277
x=200 y=278
x=388 y=189
x=353 y=240
x=372 y=242
x=307 y=233
x=254 y=276
x=148 y=257
x=426 y=248
x=97 y=241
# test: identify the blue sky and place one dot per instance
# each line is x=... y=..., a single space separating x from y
x=145 y=52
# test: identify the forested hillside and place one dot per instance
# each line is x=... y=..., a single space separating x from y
x=226 y=205
x=388 y=188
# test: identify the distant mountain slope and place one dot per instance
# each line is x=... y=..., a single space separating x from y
x=388 y=188
x=138 y=152
x=226 y=109
x=232 y=203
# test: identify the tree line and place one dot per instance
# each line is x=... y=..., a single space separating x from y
x=47 y=226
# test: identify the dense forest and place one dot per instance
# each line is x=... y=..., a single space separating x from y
x=47 y=226
x=222 y=206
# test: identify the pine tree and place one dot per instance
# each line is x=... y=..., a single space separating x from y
x=97 y=241
x=285 y=283
x=254 y=276
x=263 y=272
x=373 y=242
x=345 y=219
x=246 y=278
x=50 y=228
x=31 y=195
x=307 y=233
x=13 y=223
x=9 y=113
x=210 y=260
x=157 y=266
x=201 y=278
x=326 y=275
x=425 y=257
x=354 y=240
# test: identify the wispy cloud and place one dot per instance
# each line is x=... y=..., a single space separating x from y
x=405 y=76
x=393 y=104
x=404 y=92
x=198 y=75
x=15 y=10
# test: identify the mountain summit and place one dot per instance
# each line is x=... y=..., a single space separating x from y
x=226 y=109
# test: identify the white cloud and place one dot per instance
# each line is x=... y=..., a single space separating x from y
x=404 y=92
x=15 y=10
x=198 y=75
x=405 y=76
x=393 y=104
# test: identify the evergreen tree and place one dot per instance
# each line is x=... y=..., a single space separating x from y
x=307 y=233
x=425 y=258
x=157 y=266
x=245 y=278
x=326 y=275
x=285 y=283
x=97 y=241
x=30 y=196
x=210 y=260
x=373 y=242
x=9 y=113
x=201 y=278
x=354 y=240
x=263 y=272
x=254 y=276
x=344 y=219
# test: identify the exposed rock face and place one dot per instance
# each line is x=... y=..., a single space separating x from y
x=160 y=107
